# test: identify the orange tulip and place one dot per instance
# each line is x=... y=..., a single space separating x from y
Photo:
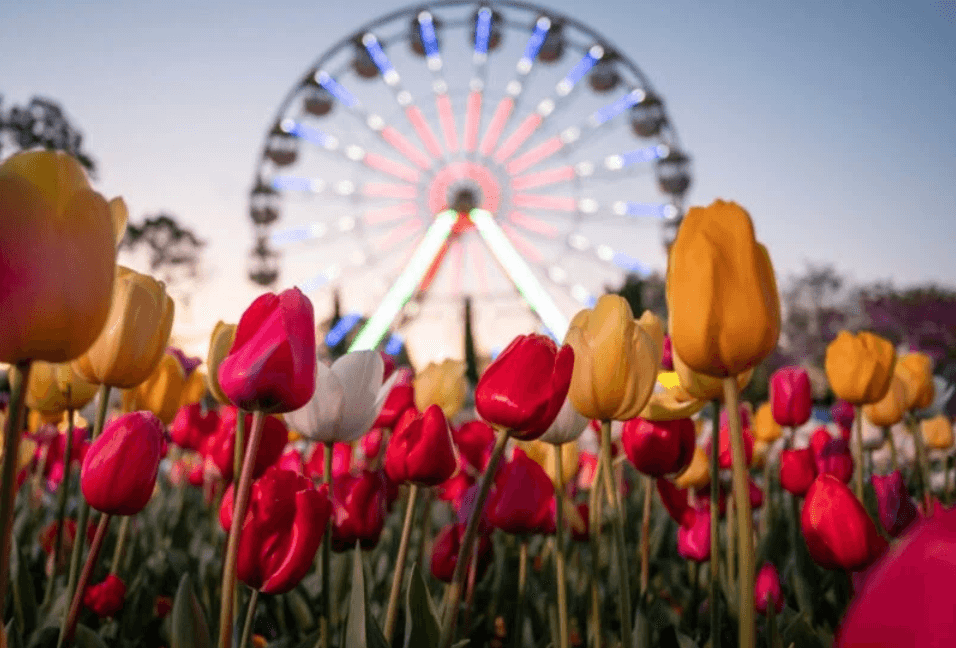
x=916 y=370
x=860 y=367
x=161 y=392
x=890 y=409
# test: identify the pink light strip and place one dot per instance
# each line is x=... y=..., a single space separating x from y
x=424 y=130
x=518 y=137
x=535 y=155
x=399 y=234
x=497 y=125
x=522 y=244
x=543 y=178
x=472 y=120
x=389 y=190
x=447 y=119
x=390 y=213
x=538 y=201
x=397 y=169
x=406 y=148
x=533 y=224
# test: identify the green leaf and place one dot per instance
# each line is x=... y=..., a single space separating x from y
x=86 y=638
x=422 y=628
x=188 y=628
x=361 y=630
x=24 y=596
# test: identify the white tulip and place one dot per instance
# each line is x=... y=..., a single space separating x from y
x=348 y=398
x=568 y=425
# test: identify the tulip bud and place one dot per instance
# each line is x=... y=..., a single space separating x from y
x=693 y=541
x=223 y=335
x=798 y=470
x=860 y=367
x=161 y=392
x=421 y=450
x=221 y=446
x=58 y=257
x=697 y=473
x=475 y=441
x=723 y=448
x=523 y=390
x=106 y=599
x=53 y=388
x=916 y=371
x=766 y=428
x=790 y=396
x=341 y=461
x=190 y=428
x=521 y=499
x=443 y=385
x=120 y=468
x=659 y=448
x=767 y=590
x=721 y=292
x=838 y=531
x=359 y=508
x=399 y=399
x=616 y=361
x=888 y=410
x=445 y=553
x=937 y=432
x=897 y=509
x=135 y=336
x=834 y=458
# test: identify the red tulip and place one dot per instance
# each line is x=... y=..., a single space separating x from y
x=399 y=399
x=897 y=509
x=693 y=533
x=907 y=599
x=819 y=439
x=106 y=598
x=838 y=531
x=475 y=441
x=790 y=398
x=221 y=447
x=120 y=469
x=756 y=495
x=282 y=530
x=291 y=460
x=659 y=448
x=341 y=461
x=271 y=365
x=723 y=447
x=521 y=499
x=745 y=421
x=445 y=553
x=675 y=501
x=842 y=414
x=524 y=388
x=798 y=469
x=191 y=427
x=454 y=488
x=56 y=454
x=372 y=445
x=835 y=459
x=587 y=468
x=421 y=449
x=358 y=510
x=767 y=590
x=389 y=363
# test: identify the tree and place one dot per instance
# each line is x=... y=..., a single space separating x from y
x=174 y=252
x=643 y=293
x=43 y=123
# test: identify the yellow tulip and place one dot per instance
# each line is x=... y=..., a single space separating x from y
x=860 y=367
x=542 y=453
x=721 y=292
x=220 y=342
x=890 y=409
x=916 y=370
x=670 y=401
x=57 y=255
x=135 y=336
x=616 y=360
x=697 y=474
x=938 y=432
x=161 y=392
x=701 y=386
x=194 y=389
x=37 y=419
x=53 y=388
x=766 y=428
x=441 y=384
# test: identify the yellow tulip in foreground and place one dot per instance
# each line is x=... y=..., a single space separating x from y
x=916 y=370
x=860 y=367
x=938 y=432
x=136 y=333
x=220 y=342
x=57 y=253
x=721 y=292
x=616 y=360
x=54 y=388
x=441 y=384
x=890 y=409
x=161 y=392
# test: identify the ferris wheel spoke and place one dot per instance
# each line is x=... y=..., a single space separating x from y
x=398 y=235
x=404 y=287
x=545 y=202
x=522 y=244
x=389 y=190
x=533 y=225
x=390 y=167
x=539 y=179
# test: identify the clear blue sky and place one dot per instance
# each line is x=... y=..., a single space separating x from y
x=834 y=123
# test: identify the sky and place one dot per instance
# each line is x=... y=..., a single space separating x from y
x=832 y=122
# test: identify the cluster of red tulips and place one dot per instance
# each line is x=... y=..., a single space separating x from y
x=599 y=492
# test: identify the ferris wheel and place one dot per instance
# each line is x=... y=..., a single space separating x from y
x=499 y=152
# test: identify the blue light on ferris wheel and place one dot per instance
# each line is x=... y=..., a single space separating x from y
x=291 y=183
x=336 y=89
x=341 y=329
x=619 y=106
x=537 y=39
x=427 y=29
x=646 y=154
x=394 y=344
x=657 y=210
x=583 y=67
x=482 y=30
x=314 y=283
x=378 y=55
x=629 y=263
x=310 y=134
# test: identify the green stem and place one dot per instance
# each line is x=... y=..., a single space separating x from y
x=470 y=584
x=120 y=544
x=238 y=450
x=522 y=583
x=624 y=587
x=594 y=537
x=250 y=616
x=453 y=593
x=240 y=503
x=715 y=527
x=559 y=567
x=731 y=584
x=804 y=602
x=95 y=547
x=61 y=495
x=745 y=587
x=19 y=377
x=425 y=528
x=646 y=534
x=326 y=633
x=858 y=452
x=391 y=614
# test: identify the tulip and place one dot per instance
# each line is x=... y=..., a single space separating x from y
x=838 y=531
x=190 y=428
x=106 y=599
x=223 y=335
x=697 y=473
x=938 y=432
x=587 y=468
x=445 y=553
x=59 y=250
x=161 y=392
x=341 y=461
x=897 y=510
x=798 y=470
x=221 y=446
x=568 y=426
x=756 y=495
x=906 y=601
x=347 y=399
x=454 y=488
x=371 y=445
x=400 y=398
x=659 y=448
x=421 y=450
x=765 y=428
x=56 y=455
x=693 y=534
x=544 y=454
x=842 y=413
x=860 y=367
x=767 y=590
x=359 y=508
x=888 y=410
x=616 y=361
x=670 y=400
x=443 y=385
x=283 y=528
x=521 y=499
x=291 y=460
x=54 y=388
x=475 y=441
x=271 y=366
x=723 y=448
x=819 y=439
x=790 y=397
x=834 y=459
x=916 y=371
x=523 y=390
x=194 y=389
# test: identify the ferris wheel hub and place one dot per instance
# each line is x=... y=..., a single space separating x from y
x=464 y=186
